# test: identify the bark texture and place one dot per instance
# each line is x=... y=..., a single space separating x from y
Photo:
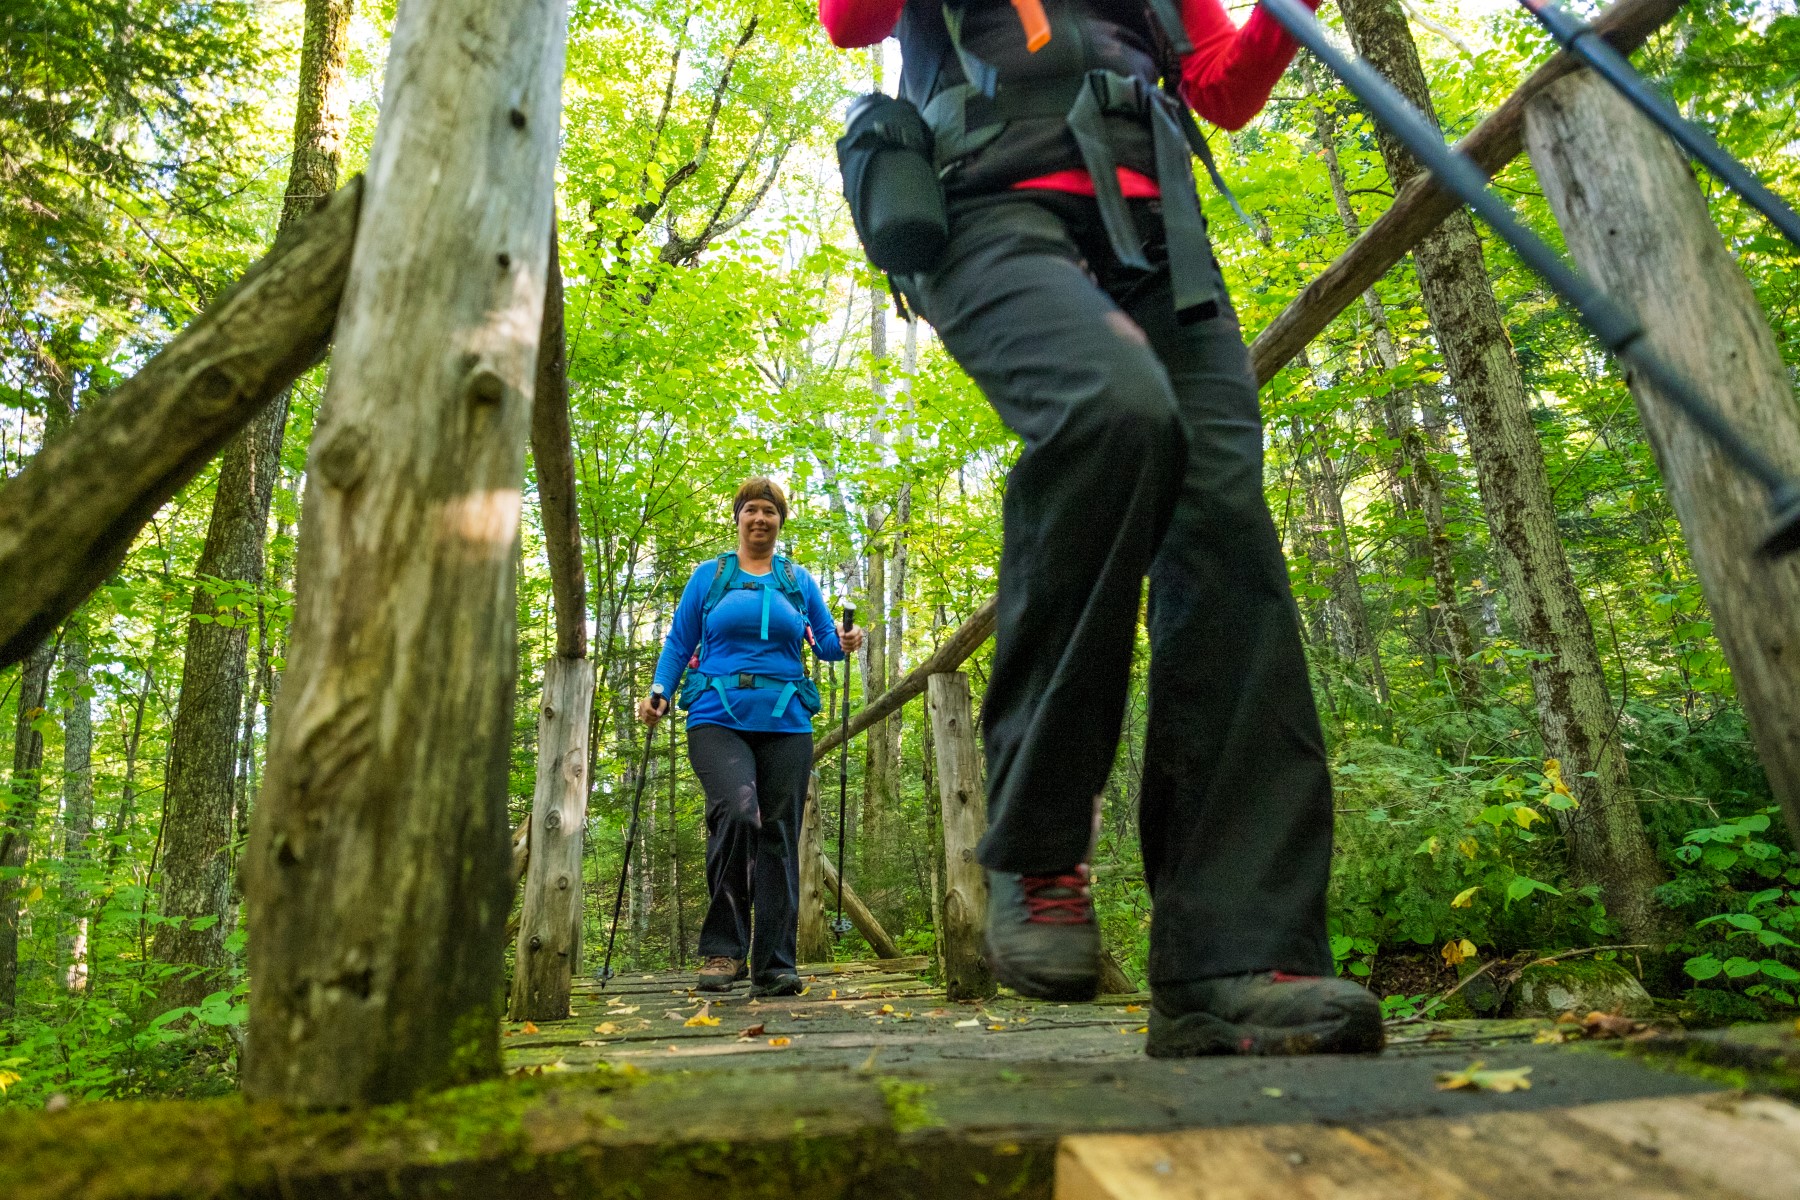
x=68 y=519
x=549 y=946
x=77 y=801
x=206 y=788
x=966 y=974
x=377 y=868
x=1638 y=225
x=1605 y=836
x=1420 y=205
x=813 y=943
x=20 y=816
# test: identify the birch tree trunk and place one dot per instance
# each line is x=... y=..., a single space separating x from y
x=204 y=783
x=379 y=855
x=1638 y=225
x=1605 y=836
x=78 y=803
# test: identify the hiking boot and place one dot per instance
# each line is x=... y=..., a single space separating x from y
x=719 y=972
x=782 y=983
x=1266 y=1012
x=1042 y=939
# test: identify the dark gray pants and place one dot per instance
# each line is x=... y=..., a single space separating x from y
x=1143 y=455
x=755 y=786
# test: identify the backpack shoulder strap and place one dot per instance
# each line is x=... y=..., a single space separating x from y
x=723 y=577
x=788 y=583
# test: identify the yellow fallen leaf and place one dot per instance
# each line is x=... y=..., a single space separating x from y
x=700 y=1019
x=780 y=1041
x=1457 y=949
x=996 y=1027
x=1272 y=1093
x=887 y=1008
x=528 y=1027
x=1142 y=1029
x=607 y=1027
x=971 y=1023
x=833 y=995
x=1134 y=1008
x=8 y=1078
x=1475 y=1078
x=1465 y=897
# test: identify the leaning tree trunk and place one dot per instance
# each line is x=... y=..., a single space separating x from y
x=203 y=777
x=1605 y=836
x=1638 y=225
x=378 y=866
x=78 y=803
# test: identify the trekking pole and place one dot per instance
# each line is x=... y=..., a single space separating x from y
x=1617 y=330
x=606 y=971
x=1581 y=40
x=839 y=926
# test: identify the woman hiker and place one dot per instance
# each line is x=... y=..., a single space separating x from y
x=1080 y=292
x=739 y=630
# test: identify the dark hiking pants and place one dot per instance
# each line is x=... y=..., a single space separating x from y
x=1143 y=456
x=755 y=787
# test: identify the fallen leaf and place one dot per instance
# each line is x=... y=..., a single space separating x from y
x=1609 y=1025
x=754 y=1030
x=1142 y=1029
x=780 y=1041
x=1272 y=1093
x=833 y=995
x=968 y=1024
x=996 y=1027
x=591 y=1042
x=887 y=1008
x=700 y=1019
x=528 y=1027
x=607 y=1027
x=625 y=1011
x=1457 y=950
x=1476 y=1078
x=1134 y=1008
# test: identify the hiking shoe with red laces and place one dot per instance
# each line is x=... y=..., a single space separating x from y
x=1042 y=939
x=1266 y=1012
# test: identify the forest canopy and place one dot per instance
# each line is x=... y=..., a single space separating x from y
x=722 y=322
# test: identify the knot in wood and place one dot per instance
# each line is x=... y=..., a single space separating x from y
x=562 y=883
x=517 y=118
x=483 y=385
x=536 y=942
x=504 y=259
x=213 y=389
x=344 y=460
x=553 y=820
x=549 y=713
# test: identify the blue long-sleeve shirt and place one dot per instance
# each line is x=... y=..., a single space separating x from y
x=733 y=643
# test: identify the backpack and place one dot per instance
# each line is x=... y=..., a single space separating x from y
x=728 y=576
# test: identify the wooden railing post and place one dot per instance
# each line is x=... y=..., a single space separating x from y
x=378 y=862
x=966 y=974
x=1637 y=223
x=814 y=942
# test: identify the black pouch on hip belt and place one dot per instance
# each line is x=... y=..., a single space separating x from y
x=896 y=199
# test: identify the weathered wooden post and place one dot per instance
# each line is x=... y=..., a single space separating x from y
x=814 y=942
x=378 y=863
x=966 y=974
x=1636 y=222
x=547 y=952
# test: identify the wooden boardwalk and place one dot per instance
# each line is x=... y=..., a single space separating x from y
x=1065 y=1092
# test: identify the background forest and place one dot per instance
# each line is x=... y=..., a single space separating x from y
x=721 y=323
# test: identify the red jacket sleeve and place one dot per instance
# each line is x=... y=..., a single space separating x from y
x=1228 y=77
x=859 y=22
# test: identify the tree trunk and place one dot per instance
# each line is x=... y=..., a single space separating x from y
x=549 y=947
x=21 y=815
x=203 y=780
x=78 y=803
x=1606 y=841
x=1637 y=223
x=377 y=869
x=964 y=804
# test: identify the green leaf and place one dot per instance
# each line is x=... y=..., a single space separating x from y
x=1779 y=970
x=1702 y=967
x=1740 y=968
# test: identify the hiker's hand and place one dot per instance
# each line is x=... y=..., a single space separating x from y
x=650 y=709
x=851 y=638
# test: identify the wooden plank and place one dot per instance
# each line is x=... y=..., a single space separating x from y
x=1421 y=205
x=964 y=804
x=548 y=950
x=1747 y=1144
x=956 y=649
x=68 y=519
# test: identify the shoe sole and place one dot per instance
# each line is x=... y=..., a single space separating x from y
x=724 y=986
x=1197 y=1035
x=759 y=993
x=1073 y=990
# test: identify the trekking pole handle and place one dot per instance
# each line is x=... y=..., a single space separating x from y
x=659 y=700
x=849 y=616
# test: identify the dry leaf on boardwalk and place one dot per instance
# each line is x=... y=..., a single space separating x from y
x=754 y=1030
x=528 y=1027
x=703 y=1017
x=607 y=1027
x=1476 y=1077
x=1610 y=1025
x=779 y=1041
